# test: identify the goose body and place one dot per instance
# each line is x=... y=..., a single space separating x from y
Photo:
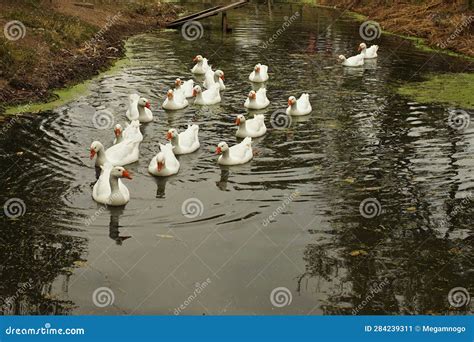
x=257 y=100
x=183 y=88
x=354 y=61
x=164 y=163
x=259 y=73
x=368 y=53
x=173 y=102
x=251 y=127
x=235 y=155
x=109 y=189
x=299 y=107
x=214 y=77
x=207 y=97
x=123 y=153
x=139 y=109
x=184 y=142
x=201 y=66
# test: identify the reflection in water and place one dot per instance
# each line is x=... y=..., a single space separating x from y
x=361 y=141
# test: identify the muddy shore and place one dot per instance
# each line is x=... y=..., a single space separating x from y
x=59 y=44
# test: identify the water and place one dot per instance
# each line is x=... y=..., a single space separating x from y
x=290 y=218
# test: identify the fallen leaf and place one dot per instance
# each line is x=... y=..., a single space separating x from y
x=411 y=209
x=358 y=252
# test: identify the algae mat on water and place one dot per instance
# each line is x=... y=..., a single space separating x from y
x=454 y=89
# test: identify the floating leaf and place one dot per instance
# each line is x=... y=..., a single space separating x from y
x=358 y=252
x=411 y=209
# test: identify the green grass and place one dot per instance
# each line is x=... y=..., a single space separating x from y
x=454 y=89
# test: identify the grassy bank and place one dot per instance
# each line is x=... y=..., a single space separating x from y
x=49 y=45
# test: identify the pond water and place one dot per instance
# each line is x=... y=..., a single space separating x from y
x=283 y=234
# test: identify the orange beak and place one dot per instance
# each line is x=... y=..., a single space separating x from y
x=290 y=102
x=148 y=105
x=117 y=132
x=195 y=59
x=222 y=77
x=257 y=69
x=92 y=153
x=159 y=166
x=237 y=121
x=253 y=96
x=194 y=92
x=218 y=150
x=126 y=174
x=359 y=48
x=170 y=95
x=169 y=136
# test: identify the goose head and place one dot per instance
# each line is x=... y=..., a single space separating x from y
x=362 y=46
x=198 y=59
x=257 y=68
x=143 y=102
x=252 y=95
x=96 y=147
x=178 y=83
x=120 y=172
x=170 y=94
x=222 y=147
x=171 y=134
x=160 y=161
x=219 y=74
x=118 y=130
x=197 y=90
x=291 y=100
x=342 y=58
x=240 y=119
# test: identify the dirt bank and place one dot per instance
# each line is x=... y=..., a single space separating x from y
x=53 y=44
x=445 y=24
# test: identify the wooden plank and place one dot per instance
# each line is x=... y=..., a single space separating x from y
x=209 y=13
x=182 y=20
x=84 y=4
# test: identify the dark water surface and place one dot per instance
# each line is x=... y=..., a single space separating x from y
x=290 y=218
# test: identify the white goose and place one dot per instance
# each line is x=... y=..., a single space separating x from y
x=123 y=153
x=118 y=133
x=259 y=73
x=257 y=100
x=183 y=88
x=109 y=188
x=164 y=163
x=208 y=97
x=173 y=102
x=370 y=52
x=201 y=65
x=184 y=142
x=252 y=127
x=139 y=109
x=132 y=132
x=213 y=77
x=235 y=155
x=354 y=61
x=299 y=107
